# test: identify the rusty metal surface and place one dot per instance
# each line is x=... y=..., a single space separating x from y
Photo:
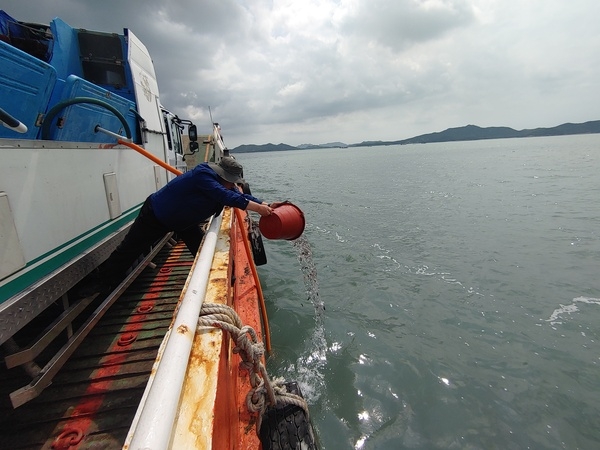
x=197 y=422
x=213 y=411
x=93 y=399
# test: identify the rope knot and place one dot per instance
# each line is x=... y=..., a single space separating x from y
x=264 y=392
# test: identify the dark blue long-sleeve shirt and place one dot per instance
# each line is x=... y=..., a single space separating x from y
x=193 y=197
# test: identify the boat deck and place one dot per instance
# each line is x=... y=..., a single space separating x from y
x=94 y=397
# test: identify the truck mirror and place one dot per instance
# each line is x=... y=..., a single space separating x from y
x=193 y=133
x=193 y=146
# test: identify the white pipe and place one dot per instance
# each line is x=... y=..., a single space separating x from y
x=20 y=127
x=155 y=418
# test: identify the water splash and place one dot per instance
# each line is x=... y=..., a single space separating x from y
x=309 y=368
x=309 y=272
x=556 y=316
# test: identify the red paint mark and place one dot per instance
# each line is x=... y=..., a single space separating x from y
x=82 y=415
x=127 y=339
x=145 y=308
x=68 y=438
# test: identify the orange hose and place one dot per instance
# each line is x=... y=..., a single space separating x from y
x=150 y=156
x=240 y=219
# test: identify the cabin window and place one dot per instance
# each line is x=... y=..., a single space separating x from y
x=102 y=58
x=176 y=132
x=168 y=133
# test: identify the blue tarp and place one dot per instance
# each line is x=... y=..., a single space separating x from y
x=31 y=38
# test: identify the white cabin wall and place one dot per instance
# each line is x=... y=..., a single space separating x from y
x=58 y=194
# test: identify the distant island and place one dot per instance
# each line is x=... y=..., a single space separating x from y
x=466 y=133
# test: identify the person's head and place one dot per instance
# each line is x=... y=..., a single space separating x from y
x=229 y=170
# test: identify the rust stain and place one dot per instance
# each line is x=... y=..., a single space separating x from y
x=199 y=390
x=200 y=358
x=196 y=426
x=218 y=280
x=213 y=411
x=182 y=329
x=250 y=426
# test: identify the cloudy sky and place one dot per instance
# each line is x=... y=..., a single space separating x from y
x=317 y=71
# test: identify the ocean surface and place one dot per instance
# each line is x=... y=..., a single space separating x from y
x=443 y=296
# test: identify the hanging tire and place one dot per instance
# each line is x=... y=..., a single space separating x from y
x=246 y=188
x=258 y=249
x=255 y=237
x=287 y=427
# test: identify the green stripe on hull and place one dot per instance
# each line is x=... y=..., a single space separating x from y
x=63 y=254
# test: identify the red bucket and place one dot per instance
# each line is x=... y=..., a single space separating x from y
x=286 y=222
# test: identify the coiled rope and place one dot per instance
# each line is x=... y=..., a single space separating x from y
x=265 y=392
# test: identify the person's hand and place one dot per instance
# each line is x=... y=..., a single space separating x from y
x=262 y=208
x=265 y=210
x=276 y=204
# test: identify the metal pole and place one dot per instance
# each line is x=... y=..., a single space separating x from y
x=99 y=129
x=155 y=418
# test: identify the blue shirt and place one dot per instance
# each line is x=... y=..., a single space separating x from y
x=193 y=197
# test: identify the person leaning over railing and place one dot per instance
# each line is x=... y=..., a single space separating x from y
x=181 y=206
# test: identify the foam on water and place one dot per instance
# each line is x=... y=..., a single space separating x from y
x=558 y=313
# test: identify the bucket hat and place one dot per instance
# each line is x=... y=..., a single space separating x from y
x=228 y=169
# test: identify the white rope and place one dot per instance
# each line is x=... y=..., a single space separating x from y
x=265 y=392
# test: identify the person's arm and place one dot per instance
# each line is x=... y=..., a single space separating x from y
x=262 y=208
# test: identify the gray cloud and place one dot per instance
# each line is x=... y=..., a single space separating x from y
x=352 y=70
x=401 y=23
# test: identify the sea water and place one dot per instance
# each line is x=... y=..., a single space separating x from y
x=443 y=296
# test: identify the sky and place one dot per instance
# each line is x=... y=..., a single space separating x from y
x=320 y=71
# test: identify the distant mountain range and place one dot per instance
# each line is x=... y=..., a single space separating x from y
x=466 y=133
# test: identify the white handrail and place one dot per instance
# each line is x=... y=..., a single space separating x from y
x=10 y=122
x=155 y=418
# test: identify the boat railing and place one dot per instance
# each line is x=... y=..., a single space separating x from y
x=154 y=421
